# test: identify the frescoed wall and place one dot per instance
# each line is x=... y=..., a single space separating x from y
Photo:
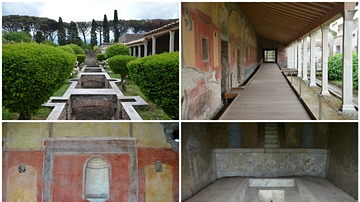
x=86 y=161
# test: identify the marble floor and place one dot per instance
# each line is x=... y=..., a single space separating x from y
x=294 y=189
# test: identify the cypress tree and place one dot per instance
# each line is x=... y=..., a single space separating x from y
x=73 y=33
x=106 y=30
x=93 y=39
x=61 y=33
x=116 y=29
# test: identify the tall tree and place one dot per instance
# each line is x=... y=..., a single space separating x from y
x=84 y=28
x=39 y=37
x=61 y=33
x=93 y=39
x=73 y=36
x=115 y=27
x=99 y=28
x=106 y=30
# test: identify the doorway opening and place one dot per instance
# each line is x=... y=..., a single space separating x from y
x=270 y=55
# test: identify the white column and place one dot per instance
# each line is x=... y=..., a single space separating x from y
x=153 y=45
x=134 y=51
x=288 y=57
x=145 y=48
x=325 y=57
x=292 y=56
x=347 y=94
x=139 y=51
x=299 y=57
x=305 y=77
x=312 y=60
x=295 y=56
x=172 y=41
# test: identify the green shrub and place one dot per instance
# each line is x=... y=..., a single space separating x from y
x=77 y=49
x=80 y=58
x=118 y=64
x=31 y=74
x=17 y=37
x=335 y=68
x=100 y=57
x=49 y=43
x=158 y=78
x=116 y=49
x=67 y=49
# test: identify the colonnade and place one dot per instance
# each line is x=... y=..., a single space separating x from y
x=136 y=48
x=297 y=55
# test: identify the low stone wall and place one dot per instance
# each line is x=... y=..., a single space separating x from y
x=93 y=81
x=256 y=163
x=94 y=107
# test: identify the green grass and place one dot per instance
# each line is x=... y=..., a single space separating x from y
x=150 y=112
x=41 y=114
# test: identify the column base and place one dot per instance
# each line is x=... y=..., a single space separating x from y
x=325 y=92
x=312 y=84
x=305 y=79
x=348 y=109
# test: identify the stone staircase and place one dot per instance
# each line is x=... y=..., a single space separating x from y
x=271 y=138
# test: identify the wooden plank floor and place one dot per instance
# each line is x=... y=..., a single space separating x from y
x=267 y=97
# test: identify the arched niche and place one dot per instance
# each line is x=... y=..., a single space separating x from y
x=96 y=179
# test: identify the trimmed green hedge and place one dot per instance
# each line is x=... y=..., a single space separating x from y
x=117 y=49
x=100 y=57
x=31 y=74
x=67 y=49
x=118 y=64
x=80 y=58
x=77 y=49
x=335 y=68
x=158 y=78
x=17 y=37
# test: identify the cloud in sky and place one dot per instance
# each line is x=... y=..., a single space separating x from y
x=22 y=8
x=87 y=10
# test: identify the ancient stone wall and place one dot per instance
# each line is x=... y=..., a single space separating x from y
x=343 y=157
x=197 y=159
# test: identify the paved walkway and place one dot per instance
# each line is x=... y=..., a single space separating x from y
x=268 y=96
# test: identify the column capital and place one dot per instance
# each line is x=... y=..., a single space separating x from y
x=325 y=26
x=348 y=15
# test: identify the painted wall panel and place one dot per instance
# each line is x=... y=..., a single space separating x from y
x=150 y=135
x=159 y=184
x=90 y=129
x=148 y=157
x=32 y=176
x=25 y=136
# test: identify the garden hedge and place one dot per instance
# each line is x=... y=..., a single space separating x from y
x=335 y=68
x=31 y=74
x=67 y=49
x=77 y=49
x=117 y=49
x=158 y=78
x=80 y=58
x=118 y=64
x=100 y=57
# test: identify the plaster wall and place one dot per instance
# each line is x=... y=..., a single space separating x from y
x=158 y=186
x=25 y=186
x=68 y=177
x=343 y=157
x=197 y=159
x=202 y=79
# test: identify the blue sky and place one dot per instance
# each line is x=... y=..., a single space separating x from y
x=87 y=10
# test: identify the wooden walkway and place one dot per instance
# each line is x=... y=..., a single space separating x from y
x=267 y=97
